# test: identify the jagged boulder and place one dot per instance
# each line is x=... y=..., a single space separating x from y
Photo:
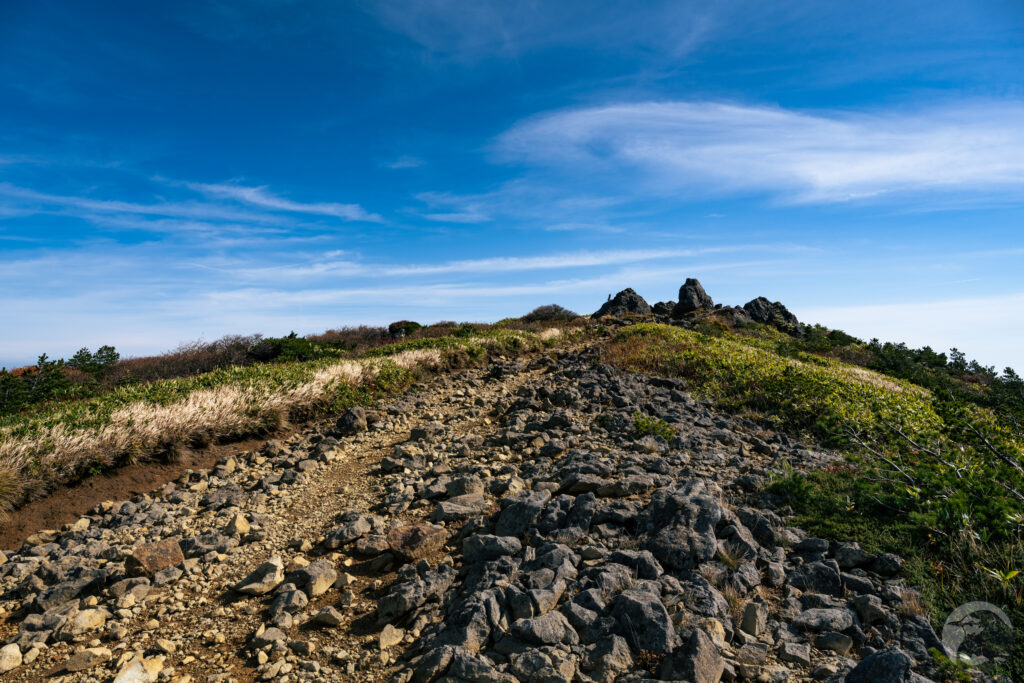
x=626 y=303
x=692 y=298
x=773 y=313
x=663 y=307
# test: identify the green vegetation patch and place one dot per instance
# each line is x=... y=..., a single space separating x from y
x=933 y=476
x=645 y=425
x=811 y=395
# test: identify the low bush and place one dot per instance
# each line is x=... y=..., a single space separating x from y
x=549 y=313
x=644 y=425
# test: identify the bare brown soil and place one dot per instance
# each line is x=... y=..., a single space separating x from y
x=66 y=504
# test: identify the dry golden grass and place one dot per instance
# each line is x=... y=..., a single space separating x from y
x=32 y=461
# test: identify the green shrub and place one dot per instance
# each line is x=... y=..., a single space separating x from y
x=644 y=425
x=549 y=313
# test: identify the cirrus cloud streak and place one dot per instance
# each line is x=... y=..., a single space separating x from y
x=793 y=156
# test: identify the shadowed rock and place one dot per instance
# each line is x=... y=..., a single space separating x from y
x=626 y=303
x=692 y=298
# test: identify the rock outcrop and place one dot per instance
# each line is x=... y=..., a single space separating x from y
x=692 y=298
x=761 y=310
x=626 y=303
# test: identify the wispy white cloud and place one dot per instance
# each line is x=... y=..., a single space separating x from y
x=260 y=196
x=344 y=265
x=581 y=259
x=461 y=31
x=87 y=205
x=798 y=157
x=405 y=162
x=464 y=208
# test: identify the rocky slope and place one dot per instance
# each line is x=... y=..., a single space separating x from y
x=502 y=524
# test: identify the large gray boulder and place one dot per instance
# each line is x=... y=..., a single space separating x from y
x=692 y=298
x=626 y=303
x=761 y=310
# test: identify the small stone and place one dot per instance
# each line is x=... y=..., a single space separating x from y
x=140 y=670
x=345 y=580
x=795 y=653
x=390 y=636
x=88 y=620
x=296 y=563
x=824 y=619
x=10 y=657
x=755 y=618
x=329 y=616
x=87 y=659
x=264 y=579
x=352 y=422
x=834 y=641
x=268 y=637
x=166 y=646
x=316 y=578
x=752 y=653
x=238 y=526
x=885 y=666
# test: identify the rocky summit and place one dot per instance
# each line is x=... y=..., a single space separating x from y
x=695 y=306
x=512 y=522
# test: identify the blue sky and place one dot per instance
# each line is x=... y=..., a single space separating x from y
x=173 y=171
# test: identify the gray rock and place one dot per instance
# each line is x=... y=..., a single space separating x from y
x=548 y=629
x=329 y=616
x=696 y=660
x=752 y=653
x=870 y=609
x=755 y=618
x=289 y=601
x=466 y=667
x=626 y=303
x=818 y=577
x=267 y=637
x=10 y=657
x=518 y=516
x=352 y=422
x=773 y=313
x=212 y=541
x=642 y=562
x=824 y=619
x=692 y=298
x=348 y=532
x=485 y=547
x=795 y=653
x=836 y=642
x=315 y=578
x=887 y=564
x=643 y=621
x=885 y=666
x=849 y=554
x=264 y=579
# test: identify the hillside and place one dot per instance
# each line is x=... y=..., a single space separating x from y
x=680 y=492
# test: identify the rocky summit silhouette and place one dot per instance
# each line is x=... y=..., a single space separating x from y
x=625 y=303
x=692 y=298
x=696 y=305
